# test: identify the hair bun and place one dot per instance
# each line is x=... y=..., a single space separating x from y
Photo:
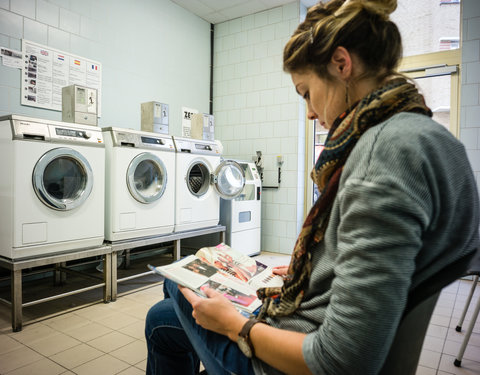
x=381 y=7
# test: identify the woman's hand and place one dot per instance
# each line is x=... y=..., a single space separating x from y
x=280 y=270
x=215 y=313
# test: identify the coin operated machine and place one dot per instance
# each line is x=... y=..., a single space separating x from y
x=80 y=105
x=242 y=215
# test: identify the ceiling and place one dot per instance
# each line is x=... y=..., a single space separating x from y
x=217 y=11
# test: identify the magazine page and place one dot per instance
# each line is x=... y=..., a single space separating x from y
x=234 y=264
x=196 y=274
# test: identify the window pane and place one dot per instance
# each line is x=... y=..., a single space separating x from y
x=428 y=26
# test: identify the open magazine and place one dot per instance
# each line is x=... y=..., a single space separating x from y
x=229 y=272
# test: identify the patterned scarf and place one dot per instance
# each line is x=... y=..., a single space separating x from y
x=395 y=96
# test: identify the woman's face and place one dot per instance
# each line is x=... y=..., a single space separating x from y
x=325 y=99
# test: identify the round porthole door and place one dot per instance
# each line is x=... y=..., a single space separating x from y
x=198 y=178
x=229 y=179
x=146 y=178
x=62 y=179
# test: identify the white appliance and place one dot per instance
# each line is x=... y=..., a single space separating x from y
x=202 y=178
x=140 y=184
x=52 y=187
x=242 y=215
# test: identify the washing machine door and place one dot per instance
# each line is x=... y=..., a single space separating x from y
x=146 y=178
x=229 y=179
x=62 y=179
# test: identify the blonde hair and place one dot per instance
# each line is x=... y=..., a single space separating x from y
x=362 y=27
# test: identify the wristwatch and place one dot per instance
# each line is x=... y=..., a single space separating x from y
x=244 y=342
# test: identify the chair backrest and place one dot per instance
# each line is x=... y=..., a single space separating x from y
x=405 y=351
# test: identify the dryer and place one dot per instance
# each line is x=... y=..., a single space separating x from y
x=52 y=187
x=140 y=184
x=202 y=178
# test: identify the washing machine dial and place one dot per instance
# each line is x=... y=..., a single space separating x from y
x=87 y=134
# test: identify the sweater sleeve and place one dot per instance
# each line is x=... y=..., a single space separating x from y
x=379 y=237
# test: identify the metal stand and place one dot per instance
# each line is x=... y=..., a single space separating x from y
x=176 y=237
x=16 y=267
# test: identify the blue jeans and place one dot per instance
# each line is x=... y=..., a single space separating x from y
x=176 y=344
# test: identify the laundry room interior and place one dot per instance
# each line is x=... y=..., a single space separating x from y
x=135 y=133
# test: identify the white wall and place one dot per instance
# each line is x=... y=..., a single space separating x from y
x=256 y=108
x=149 y=49
x=470 y=98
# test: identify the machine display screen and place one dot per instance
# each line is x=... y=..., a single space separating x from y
x=69 y=132
x=154 y=141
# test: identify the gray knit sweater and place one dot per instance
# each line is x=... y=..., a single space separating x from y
x=407 y=205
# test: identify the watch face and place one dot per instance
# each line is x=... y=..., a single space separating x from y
x=244 y=347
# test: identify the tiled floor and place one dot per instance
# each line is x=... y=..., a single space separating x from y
x=75 y=336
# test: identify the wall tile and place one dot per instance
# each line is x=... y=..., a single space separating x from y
x=47 y=13
x=473 y=28
x=83 y=8
x=35 y=31
x=4 y=99
x=275 y=15
x=16 y=44
x=9 y=76
x=474 y=157
x=5 y=4
x=58 y=39
x=89 y=28
x=471 y=9
x=4 y=40
x=472 y=116
x=469 y=137
x=470 y=94
x=471 y=51
x=11 y=24
x=23 y=7
x=291 y=12
x=69 y=21
x=473 y=72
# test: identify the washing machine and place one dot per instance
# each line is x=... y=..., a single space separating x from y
x=52 y=187
x=140 y=184
x=202 y=178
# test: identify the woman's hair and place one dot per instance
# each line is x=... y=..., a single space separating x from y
x=361 y=26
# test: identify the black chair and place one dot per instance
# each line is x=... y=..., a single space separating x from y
x=405 y=351
x=474 y=270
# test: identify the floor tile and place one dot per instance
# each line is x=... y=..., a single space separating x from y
x=111 y=341
x=7 y=344
x=31 y=333
x=434 y=344
x=425 y=371
x=468 y=367
x=117 y=320
x=429 y=359
x=76 y=356
x=131 y=353
x=53 y=344
x=41 y=367
x=104 y=365
x=132 y=371
x=136 y=330
x=18 y=358
x=89 y=332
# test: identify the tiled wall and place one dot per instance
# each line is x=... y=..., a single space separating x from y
x=256 y=109
x=470 y=97
x=153 y=51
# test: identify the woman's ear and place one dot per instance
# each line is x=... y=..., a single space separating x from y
x=341 y=63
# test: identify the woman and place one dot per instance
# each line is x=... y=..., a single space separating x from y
x=397 y=195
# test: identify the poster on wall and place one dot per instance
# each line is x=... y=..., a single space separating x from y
x=11 y=58
x=46 y=70
x=187 y=114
